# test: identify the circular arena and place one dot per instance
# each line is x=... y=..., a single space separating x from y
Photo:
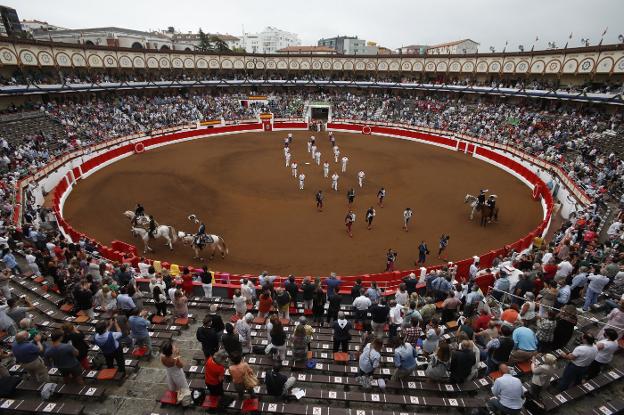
x=240 y=187
x=428 y=229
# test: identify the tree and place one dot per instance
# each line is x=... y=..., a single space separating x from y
x=218 y=44
x=204 y=42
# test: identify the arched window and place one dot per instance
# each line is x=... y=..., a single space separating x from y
x=164 y=47
x=137 y=45
x=187 y=49
x=89 y=43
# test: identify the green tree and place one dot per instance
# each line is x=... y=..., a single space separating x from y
x=218 y=44
x=204 y=42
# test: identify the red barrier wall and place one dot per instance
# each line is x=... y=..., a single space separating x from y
x=388 y=280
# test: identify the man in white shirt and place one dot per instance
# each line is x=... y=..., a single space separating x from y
x=474 y=268
x=325 y=169
x=287 y=156
x=317 y=158
x=361 y=304
x=508 y=394
x=564 y=269
x=345 y=160
x=581 y=357
x=396 y=318
x=293 y=168
x=334 y=184
x=336 y=154
x=547 y=257
x=31 y=260
x=360 y=177
x=301 y=181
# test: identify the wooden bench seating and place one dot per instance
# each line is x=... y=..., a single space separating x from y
x=31 y=406
x=84 y=391
x=550 y=402
x=610 y=408
x=374 y=396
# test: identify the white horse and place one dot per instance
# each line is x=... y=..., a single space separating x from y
x=214 y=241
x=473 y=204
x=141 y=220
x=163 y=231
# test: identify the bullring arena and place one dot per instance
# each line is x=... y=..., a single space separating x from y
x=239 y=185
x=114 y=140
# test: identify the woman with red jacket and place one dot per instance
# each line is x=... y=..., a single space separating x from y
x=187 y=282
x=215 y=372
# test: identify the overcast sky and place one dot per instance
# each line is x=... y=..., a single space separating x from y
x=391 y=23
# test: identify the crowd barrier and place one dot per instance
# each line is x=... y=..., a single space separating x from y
x=121 y=252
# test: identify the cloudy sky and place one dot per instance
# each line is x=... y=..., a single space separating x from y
x=391 y=23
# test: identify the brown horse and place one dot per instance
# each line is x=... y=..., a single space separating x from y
x=486 y=212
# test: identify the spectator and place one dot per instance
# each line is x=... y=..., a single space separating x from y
x=243 y=329
x=214 y=373
x=542 y=373
x=318 y=305
x=63 y=357
x=139 y=331
x=307 y=289
x=368 y=362
x=396 y=318
x=282 y=302
x=373 y=293
x=187 y=282
x=265 y=303
x=243 y=377
x=356 y=290
x=240 y=303
x=299 y=342
x=332 y=283
x=413 y=332
x=438 y=366
x=615 y=320
x=508 y=393
x=546 y=331
x=109 y=344
x=160 y=301
x=402 y=296
x=462 y=361
x=174 y=366
x=361 y=304
x=605 y=349
x=564 y=327
x=450 y=307
x=278 y=384
x=72 y=335
x=207 y=336
x=499 y=349
x=207 y=279
x=15 y=312
x=278 y=340
x=293 y=289
x=597 y=282
x=527 y=311
x=379 y=317
x=125 y=302
x=180 y=304
x=580 y=359
x=334 y=307
x=231 y=342
x=432 y=339
x=404 y=358
x=525 y=345
x=511 y=314
x=342 y=333
x=28 y=355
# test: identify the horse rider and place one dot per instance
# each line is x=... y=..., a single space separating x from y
x=491 y=202
x=481 y=197
x=138 y=211
x=201 y=233
x=151 y=227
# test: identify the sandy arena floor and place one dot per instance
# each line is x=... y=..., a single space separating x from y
x=239 y=185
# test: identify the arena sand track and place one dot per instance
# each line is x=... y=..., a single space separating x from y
x=239 y=185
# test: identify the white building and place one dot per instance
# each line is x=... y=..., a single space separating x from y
x=348 y=45
x=107 y=36
x=270 y=40
x=458 y=47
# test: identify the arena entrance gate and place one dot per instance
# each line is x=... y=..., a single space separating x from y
x=317 y=111
x=267 y=121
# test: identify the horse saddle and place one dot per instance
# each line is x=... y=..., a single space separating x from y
x=204 y=239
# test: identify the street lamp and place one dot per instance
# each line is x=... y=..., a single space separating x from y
x=492 y=49
x=585 y=42
x=521 y=48
x=621 y=38
x=552 y=45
